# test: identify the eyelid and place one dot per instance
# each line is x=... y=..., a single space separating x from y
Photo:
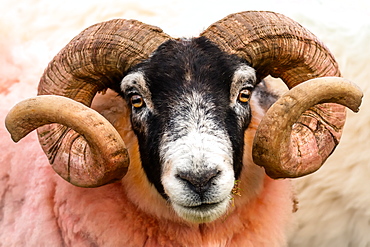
x=247 y=87
x=131 y=90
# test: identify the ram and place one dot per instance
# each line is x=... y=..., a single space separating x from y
x=176 y=166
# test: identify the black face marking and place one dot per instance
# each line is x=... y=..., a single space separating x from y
x=172 y=74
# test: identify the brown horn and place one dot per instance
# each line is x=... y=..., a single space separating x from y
x=93 y=61
x=35 y=112
x=276 y=45
x=272 y=151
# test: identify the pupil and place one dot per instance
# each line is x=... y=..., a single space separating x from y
x=136 y=100
x=244 y=95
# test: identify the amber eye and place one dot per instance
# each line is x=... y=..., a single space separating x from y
x=137 y=101
x=244 y=95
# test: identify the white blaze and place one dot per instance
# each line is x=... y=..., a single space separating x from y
x=197 y=144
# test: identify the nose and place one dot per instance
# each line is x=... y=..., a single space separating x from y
x=199 y=182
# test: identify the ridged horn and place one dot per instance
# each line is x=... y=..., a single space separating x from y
x=275 y=45
x=93 y=61
x=35 y=112
x=298 y=137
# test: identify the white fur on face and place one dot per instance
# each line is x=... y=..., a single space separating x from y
x=197 y=145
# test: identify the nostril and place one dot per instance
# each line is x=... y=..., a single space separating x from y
x=199 y=177
x=199 y=182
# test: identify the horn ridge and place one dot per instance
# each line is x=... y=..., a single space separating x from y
x=274 y=45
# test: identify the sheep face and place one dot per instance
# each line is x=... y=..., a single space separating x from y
x=190 y=108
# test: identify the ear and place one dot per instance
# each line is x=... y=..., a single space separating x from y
x=263 y=97
x=115 y=110
x=266 y=93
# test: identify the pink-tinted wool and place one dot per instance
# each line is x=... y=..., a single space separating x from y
x=38 y=208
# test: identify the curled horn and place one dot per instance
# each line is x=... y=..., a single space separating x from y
x=276 y=45
x=93 y=61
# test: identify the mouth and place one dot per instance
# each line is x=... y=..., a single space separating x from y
x=203 y=207
x=202 y=213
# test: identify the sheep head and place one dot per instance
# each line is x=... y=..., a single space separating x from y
x=190 y=106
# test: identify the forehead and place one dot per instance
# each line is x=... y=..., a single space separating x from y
x=181 y=66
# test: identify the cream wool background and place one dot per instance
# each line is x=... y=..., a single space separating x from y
x=334 y=203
